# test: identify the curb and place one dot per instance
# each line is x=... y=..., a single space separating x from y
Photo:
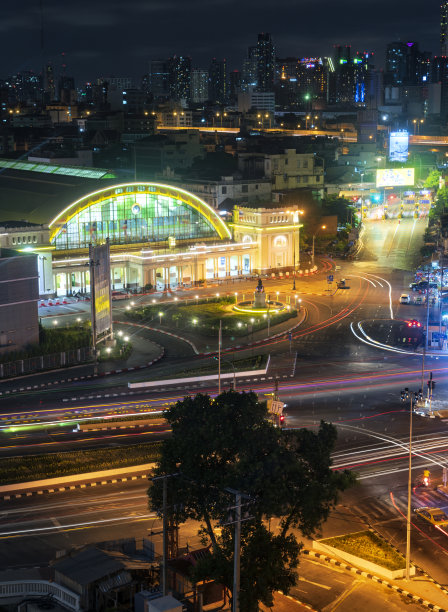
x=305 y=605
x=364 y=574
x=161 y=331
x=169 y=388
x=380 y=535
x=86 y=377
x=72 y=487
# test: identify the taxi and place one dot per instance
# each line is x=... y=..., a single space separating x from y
x=435 y=516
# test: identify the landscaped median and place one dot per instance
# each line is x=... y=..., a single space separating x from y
x=28 y=469
x=366 y=550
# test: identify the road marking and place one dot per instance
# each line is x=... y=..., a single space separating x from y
x=322 y=586
x=344 y=595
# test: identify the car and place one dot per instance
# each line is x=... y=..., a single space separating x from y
x=342 y=284
x=435 y=516
x=420 y=299
x=405 y=298
x=120 y=295
x=413 y=286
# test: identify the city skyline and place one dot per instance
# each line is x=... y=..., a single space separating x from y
x=104 y=39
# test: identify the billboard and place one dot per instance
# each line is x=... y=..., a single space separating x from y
x=398 y=146
x=99 y=257
x=396 y=177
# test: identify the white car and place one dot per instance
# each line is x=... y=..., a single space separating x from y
x=405 y=298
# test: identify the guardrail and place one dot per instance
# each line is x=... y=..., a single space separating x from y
x=27 y=588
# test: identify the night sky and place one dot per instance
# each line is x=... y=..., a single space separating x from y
x=118 y=37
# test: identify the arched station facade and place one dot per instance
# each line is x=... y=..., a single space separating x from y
x=159 y=235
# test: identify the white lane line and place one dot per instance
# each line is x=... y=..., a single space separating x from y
x=322 y=586
x=77 y=525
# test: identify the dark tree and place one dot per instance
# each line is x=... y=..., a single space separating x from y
x=228 y=442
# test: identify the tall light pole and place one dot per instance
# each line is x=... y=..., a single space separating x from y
x=295 y=222
x=406 y=394
x=314 y=236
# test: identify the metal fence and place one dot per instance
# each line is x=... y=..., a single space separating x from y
x=45 y=362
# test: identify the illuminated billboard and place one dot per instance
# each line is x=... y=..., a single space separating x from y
x=396 y=177
x=101 y=295
x=398 y=146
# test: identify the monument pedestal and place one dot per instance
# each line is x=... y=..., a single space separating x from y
x=259 y=299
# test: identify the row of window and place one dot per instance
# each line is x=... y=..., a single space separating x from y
x=24 y=239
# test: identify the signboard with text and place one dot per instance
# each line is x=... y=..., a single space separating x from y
x=101 y=296
x=395 y=177
x=398 y=146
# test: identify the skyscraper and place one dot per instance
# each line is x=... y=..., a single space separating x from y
x=266 y=62
x=159 y=79
x=443 y=26
x=179 y=69
x=217 y=82
x=199 y=86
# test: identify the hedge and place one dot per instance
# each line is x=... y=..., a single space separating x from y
x=53 y=465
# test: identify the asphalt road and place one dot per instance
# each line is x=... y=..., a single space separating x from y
x=338 y=376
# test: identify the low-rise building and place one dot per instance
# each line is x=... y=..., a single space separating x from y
x=19 y=324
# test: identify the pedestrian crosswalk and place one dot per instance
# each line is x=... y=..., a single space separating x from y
x=377 y=510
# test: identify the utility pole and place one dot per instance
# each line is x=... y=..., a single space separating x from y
x=219 y=356
x=169 y=531
x=238 y=519
x=408 y=526
x=237 y=559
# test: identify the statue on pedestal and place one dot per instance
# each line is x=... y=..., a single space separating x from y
x=259 y=295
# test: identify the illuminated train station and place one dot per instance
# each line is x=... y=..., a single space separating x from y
x=159 y=235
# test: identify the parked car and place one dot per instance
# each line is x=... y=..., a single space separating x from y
x=120 y=295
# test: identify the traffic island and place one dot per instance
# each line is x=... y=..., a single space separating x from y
x=366 y=550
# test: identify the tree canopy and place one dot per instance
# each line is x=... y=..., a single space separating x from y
x=229 y=443
x=335 y=205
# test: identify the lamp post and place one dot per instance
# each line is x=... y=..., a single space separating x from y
x=314 y=237
x=295 y=221
x=406 y=394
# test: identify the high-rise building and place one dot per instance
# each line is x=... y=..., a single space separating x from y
x=249 y=75
x=159 y=79
x=217 y=82
x=406 y=64
x=179 y=69
x=199 y=86
x=443 y=27
x=265 y=62
x=343 y=82
x=49 y=87
x=234 y=85
x=311 y=78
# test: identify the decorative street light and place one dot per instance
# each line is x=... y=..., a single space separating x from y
x=160 y=317
x=314 y=237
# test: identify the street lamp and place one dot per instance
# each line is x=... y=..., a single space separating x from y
x=314 y=237
x=405 y=394
x=295 y=221
x=160 y=317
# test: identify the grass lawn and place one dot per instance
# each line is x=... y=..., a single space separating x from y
x=204 y=317
x=256 y=362
x=367 y=545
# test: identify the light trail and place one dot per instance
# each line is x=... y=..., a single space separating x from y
x=390 y=292
x=74 y=526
